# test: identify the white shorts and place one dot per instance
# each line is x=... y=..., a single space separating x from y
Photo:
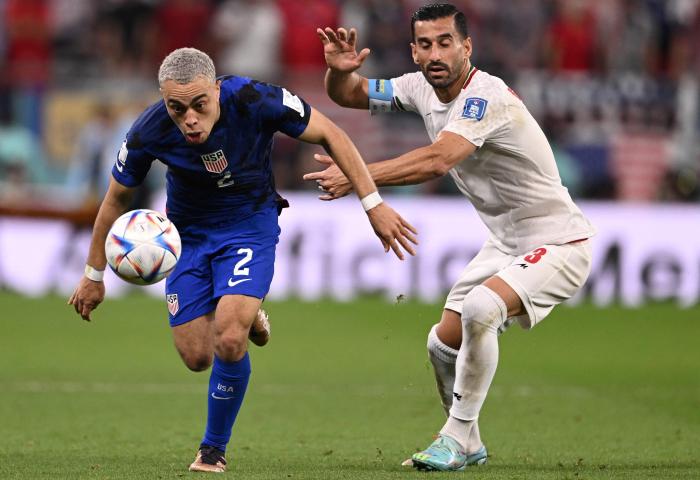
x=542 y=278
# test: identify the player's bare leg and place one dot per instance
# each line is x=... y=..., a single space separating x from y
x=194 y=342
x=235 y=314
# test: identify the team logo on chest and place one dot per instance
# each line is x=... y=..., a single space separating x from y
x=215 y=162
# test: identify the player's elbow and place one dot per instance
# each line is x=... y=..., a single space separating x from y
x=332 y=137
x=118 y=196
x=348 y=97
x=336 y=96
x=342 y=99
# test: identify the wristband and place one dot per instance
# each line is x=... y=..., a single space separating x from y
x=94 y=274
x=371 y=201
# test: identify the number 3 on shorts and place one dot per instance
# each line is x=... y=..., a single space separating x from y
x=535 y=256
x=238 y=269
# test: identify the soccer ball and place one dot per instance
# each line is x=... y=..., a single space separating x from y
x=142 y=247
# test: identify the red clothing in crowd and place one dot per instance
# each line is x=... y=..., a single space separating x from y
x=572 y=39
x=29 y=51
x=182 y=23
x=300 y=44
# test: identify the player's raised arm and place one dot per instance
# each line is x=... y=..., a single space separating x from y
x=345 y=87
x=393 y=231
x=90 y=290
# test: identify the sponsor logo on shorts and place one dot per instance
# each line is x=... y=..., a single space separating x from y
x=232 y=283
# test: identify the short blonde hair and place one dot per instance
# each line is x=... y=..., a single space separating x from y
x=184 y=65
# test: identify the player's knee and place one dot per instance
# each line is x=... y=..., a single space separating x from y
x=483 y=310
x=231 y=346
x=197 y=361
x=439 y=350
x=448 y=332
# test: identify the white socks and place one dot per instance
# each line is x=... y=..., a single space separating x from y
x=443 y=359
x=466 y=432
x=483 y=312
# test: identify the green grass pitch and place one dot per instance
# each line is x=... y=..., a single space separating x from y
x=345 y=391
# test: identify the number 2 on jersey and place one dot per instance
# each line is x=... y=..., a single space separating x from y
x=225 y=180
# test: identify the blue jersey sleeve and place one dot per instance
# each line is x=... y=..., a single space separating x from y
x=285 y=112
x=133 y=162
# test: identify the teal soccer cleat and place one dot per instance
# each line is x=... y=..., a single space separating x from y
x=446 y=454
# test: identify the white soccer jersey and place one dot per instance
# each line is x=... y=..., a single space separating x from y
x=512 y=179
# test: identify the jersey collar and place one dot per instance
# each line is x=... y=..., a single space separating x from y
x=470 y=75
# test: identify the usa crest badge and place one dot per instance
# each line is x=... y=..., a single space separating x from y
x=474 y=108
x=173 y=305
x=215 y=162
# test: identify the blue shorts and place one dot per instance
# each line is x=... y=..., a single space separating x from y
x=235 y=258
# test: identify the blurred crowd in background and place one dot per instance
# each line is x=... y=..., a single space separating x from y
x=614 y=83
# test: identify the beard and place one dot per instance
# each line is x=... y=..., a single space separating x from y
x=446 y=75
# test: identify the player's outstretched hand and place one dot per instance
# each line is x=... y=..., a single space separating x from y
x=86 y=297
x=331 y=181
x=339 y=49
x=392 y=230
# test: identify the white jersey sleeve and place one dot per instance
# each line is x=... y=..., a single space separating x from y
x=481 y=116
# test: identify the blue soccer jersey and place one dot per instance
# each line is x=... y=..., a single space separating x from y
x=227 y=177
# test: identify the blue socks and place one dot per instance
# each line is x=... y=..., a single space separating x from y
x=227 y=386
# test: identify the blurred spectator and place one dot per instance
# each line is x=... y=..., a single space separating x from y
x=390 y=44
x=516 y=37
x=571 y=43
x=95 y=152
x=29 y=50
x=3 y=35
x=631 y=30
x=91 y=165
x=182 y=23
x=73 y=20
x=300 y=47
x=124 y=37
x=21 y=157
x=28 y=56
x=247 y=33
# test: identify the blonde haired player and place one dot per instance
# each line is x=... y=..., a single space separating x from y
x=215 y=134
x=537 y=254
